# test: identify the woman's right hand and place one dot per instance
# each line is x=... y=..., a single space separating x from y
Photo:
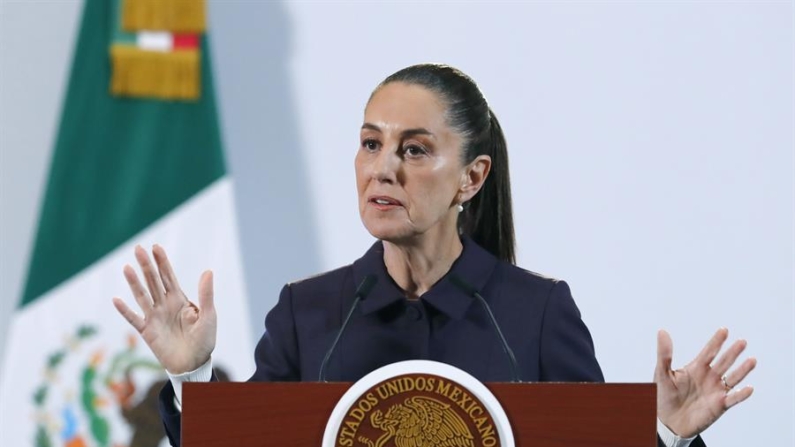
x=180 y=334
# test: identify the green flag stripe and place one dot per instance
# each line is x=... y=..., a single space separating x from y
x=119 y=35
x=118 y=164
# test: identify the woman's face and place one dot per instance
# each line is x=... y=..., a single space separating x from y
x=409 y=171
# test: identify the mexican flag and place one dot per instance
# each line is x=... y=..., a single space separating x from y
x=131 y=165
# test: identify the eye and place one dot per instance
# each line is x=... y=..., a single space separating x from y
x=414 y=151
x=370 y=144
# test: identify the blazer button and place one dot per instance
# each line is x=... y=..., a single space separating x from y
x=413 y=313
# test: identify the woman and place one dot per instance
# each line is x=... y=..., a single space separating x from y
x=433 y=186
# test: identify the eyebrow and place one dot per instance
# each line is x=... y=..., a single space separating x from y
x=405 y=133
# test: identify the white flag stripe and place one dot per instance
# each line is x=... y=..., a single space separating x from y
x=155 y=40
x=200 y=234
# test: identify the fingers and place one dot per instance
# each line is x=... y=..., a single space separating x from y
x=164 y=267
x=665 y=352
x=727 y=359
x=141 y=297
x=738 y=396
x=711 y=349
x=152 y=278
x=206 y=291
x=739 y=374
x=133 y=318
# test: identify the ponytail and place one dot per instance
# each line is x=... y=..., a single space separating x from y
x=488 y=217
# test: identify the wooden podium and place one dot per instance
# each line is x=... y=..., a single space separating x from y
x=541 y=414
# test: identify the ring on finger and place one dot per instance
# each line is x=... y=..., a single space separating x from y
x=726 y=384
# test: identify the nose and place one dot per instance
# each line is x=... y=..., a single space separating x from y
x=385 y=166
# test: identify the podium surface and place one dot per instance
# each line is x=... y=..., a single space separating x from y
x=541 y=414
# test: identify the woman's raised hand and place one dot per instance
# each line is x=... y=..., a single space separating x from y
x=180 y=334
x=690 y=399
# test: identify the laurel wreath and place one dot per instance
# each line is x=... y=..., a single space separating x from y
x=54 y=360
x=99 y=426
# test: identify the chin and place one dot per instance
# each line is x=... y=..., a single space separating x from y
x=388 y=231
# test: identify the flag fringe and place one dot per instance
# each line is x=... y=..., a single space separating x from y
x=166 y=75
x=179 y=16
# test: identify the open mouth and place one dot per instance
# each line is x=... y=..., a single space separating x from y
x=384 y=202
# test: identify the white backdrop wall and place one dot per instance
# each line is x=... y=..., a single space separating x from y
x=652 y=156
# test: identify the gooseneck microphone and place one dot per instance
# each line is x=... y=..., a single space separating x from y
x=473 y=292
x=362 y=291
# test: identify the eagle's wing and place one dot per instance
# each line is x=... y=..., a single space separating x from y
x=439 y=426
x=409 y=429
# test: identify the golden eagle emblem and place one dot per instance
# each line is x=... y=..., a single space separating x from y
x=420 y=421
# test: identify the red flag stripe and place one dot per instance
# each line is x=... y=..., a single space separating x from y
x=186 y=41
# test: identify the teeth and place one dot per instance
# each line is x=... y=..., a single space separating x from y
x=382 y=202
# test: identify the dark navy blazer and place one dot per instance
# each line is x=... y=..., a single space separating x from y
x=536 y=314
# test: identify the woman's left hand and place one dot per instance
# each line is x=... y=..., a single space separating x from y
x=692 y=398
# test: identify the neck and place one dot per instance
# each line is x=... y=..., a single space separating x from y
x=419 y=264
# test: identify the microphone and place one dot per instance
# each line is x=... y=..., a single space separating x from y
x=471 y=291
x=362 y=291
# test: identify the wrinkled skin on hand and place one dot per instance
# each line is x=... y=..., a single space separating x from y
x=180 y=334
x=692 y=398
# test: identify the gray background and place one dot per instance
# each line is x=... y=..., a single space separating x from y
x=651 y=155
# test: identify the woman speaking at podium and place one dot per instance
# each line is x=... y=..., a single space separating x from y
x=433 y=188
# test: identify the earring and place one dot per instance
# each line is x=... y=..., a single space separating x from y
x=460 y=208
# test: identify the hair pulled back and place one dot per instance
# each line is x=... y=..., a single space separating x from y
x=488 y=217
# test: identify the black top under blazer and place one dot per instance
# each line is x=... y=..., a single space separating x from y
x=536 y=314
